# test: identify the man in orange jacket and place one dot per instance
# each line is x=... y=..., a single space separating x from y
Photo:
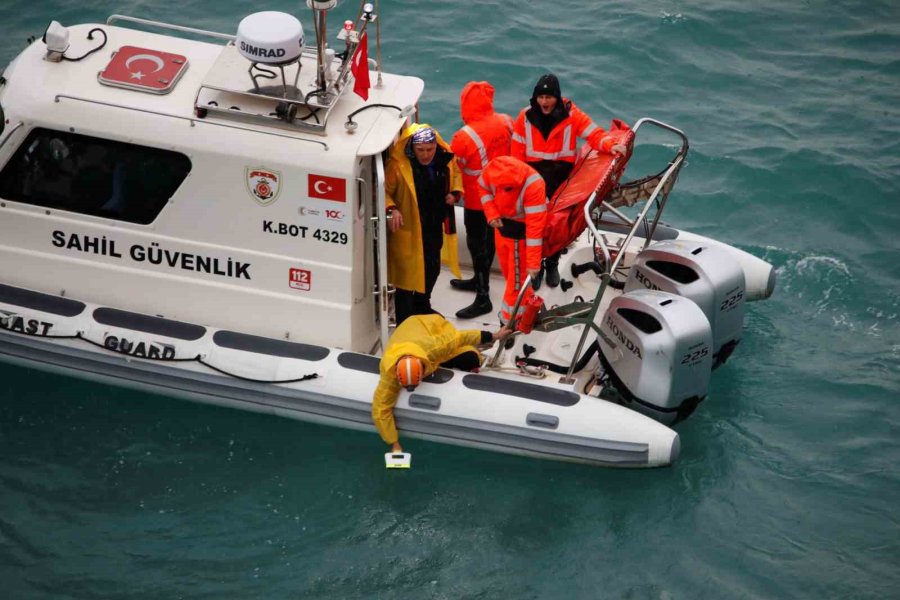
x=486 y=135
x=515 y=204
x=545 y=135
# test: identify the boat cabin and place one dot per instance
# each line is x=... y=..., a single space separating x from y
x=218 y=182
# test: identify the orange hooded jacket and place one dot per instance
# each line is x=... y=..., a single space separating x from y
x=528 y=143
x=512 y=190
x=486 y=135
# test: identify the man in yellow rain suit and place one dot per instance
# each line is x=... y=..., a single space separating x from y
x=420 y=345
x=422 y=182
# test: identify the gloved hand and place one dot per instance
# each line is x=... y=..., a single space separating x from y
x=612 y=145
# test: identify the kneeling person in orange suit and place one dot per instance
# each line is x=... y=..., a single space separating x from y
x=515 y=205
x=418 y=346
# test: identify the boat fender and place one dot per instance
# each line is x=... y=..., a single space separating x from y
x=28 y=326
x=162 y=353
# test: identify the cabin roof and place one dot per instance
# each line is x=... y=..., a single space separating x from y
x=37 y=88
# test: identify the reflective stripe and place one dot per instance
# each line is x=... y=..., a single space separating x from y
x=490 y=189
x=531 y=179
x=518 y=138
x=520 y=202
x=589 y=130
x=482 y=151
x=568 y=145
x=532 y=241
x=472 y=172
x=505 y=312
x=537 y=208
x=516 y=283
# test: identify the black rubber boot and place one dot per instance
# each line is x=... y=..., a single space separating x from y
x=537 y=279
x=551 y=270
x=482 y=304
x=465 y=285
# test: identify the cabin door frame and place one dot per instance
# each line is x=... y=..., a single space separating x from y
x=377 y=235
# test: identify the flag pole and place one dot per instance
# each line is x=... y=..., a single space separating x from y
x=378 y=84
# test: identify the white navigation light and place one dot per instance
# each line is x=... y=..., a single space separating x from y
x=270 y=37
x=57 y=39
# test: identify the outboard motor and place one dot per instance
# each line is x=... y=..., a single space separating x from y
x=706 y=274
x=657 y=349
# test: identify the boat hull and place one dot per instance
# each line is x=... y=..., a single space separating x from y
x=443 y=411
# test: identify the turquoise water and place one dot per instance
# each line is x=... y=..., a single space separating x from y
x=788 y=482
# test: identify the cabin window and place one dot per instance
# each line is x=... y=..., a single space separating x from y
x=93 y=176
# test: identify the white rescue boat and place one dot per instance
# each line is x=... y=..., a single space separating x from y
x=204 y=219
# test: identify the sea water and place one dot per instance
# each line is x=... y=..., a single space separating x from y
x=787 y=486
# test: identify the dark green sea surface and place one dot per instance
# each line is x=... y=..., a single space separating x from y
x=788 y=482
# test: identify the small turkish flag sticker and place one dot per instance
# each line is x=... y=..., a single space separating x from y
x=327 y=188
x=144 y=69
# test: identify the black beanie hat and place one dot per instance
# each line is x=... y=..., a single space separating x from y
x=547 y=84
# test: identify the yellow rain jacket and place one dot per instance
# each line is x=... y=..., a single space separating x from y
x=428 y=337
x=406 y=263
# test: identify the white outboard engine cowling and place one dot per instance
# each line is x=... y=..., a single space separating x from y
x=704 y=273
x=657 y=349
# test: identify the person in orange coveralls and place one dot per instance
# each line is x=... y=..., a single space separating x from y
x=515 y=205
x=486 y=135
x=545 y=137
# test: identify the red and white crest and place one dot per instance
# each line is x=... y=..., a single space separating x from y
x=144 y=70
x=263 y=184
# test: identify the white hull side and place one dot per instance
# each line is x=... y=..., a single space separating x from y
x=489 y=412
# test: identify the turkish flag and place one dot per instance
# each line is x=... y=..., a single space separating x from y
x=327 y=188
x=144 y=69
x=359 y=66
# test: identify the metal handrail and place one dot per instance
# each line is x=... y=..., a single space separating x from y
x=595 y=233
x=193 y=121
x=213 y=34
x=381 y=231
x=512 y=318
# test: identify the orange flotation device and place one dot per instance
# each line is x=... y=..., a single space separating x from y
x=592 y=171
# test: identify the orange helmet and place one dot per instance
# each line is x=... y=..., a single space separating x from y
x=409 y=372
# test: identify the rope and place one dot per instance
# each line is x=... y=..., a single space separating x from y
x=198 y=358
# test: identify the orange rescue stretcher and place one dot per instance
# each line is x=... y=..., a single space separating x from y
x=592 y=171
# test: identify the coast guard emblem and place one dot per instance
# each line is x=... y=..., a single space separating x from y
x=263 y=184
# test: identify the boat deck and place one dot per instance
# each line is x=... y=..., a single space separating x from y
x=556 y=347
